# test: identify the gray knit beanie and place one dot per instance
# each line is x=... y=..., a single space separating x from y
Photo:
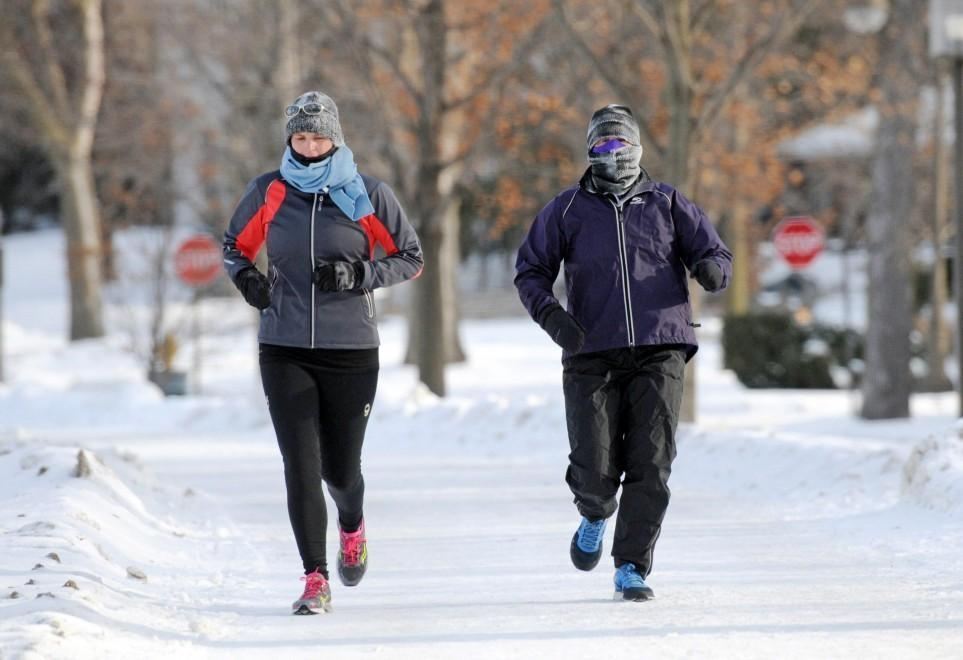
x=613 y=121
x=314 y=112
x=614 y=170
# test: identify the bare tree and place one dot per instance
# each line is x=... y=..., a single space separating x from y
x=64 y=93
x=887 y=382
x=434 y=69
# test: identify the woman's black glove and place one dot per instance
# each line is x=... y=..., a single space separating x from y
x=562 y=328
x=339 y=276
x=708 y=274
x=254 y=287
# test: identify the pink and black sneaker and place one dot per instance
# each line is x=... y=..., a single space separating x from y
x=316 y=598
x=353 y=557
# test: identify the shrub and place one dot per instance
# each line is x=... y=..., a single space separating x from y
x=769 y=349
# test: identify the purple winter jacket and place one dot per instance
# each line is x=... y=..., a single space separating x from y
x=625 y=268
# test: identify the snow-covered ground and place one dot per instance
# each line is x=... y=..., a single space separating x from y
x=795 y=530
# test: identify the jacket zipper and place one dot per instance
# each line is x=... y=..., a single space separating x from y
x=314 y=206
x=369 y=302
x=624 y=268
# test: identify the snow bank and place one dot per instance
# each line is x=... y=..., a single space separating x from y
x=933 y=473
x=81 y=536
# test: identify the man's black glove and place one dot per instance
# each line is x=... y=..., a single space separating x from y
x=339 y=275
x=254 y=287
x=562 y=328
x=708 y=274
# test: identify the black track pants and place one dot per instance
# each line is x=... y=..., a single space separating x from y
x=622 y=409
x=319 y=401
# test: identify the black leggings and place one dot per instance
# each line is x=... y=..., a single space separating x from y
x=320 y=400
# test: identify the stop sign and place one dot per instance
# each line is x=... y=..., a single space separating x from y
x=198 y=260
x=799 y=240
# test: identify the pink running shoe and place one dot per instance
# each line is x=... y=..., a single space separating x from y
x=316 y=598
x=353 y=557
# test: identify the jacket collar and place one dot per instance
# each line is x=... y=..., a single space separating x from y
x=642 y=185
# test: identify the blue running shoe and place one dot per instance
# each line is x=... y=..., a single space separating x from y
x=587 y=544
x=629 y=585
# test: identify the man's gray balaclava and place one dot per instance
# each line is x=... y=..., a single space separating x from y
x=325 y=123
x=614 y=171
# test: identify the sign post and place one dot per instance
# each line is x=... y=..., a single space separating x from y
x=799 y=240
x=197 y=263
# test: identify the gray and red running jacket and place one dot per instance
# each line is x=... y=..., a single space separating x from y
x=302 y=230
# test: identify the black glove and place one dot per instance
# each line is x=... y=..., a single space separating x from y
x=708 y=274
x=562 y=328
x=254 y=287
x=339 y=275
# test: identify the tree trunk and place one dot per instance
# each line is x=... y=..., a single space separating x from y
x=740 y=288
x=429 y=335
x=450 y=258
x=65 y=120
x=679 y=95
x=937 y=344
x=433 y=332
x=290 y=74
x=678 y=148
x=887 y=382
x=449 y=343
x=81 y=215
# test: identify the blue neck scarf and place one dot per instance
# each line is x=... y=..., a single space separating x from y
x=337 y=177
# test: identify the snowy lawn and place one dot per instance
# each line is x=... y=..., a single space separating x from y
x=795 y=530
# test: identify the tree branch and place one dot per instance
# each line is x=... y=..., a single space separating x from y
x=648 y=19
x=782 y=30
x=48 y=124
x=94 y=74
x=362 y=57
x=392 y=60
x=496 y=75
x=394 y=63
x=702 y=15
x=54 y=73
x=678 y=40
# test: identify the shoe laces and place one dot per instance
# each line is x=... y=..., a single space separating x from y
x=352 y=545
x=630 y=574
x=315 y=584
x=590 y=534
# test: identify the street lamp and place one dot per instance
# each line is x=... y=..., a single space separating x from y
x=946 y=42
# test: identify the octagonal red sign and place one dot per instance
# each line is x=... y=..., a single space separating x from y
x=198 y=260
x=799 y=240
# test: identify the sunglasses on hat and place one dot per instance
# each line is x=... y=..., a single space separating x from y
x=311 y=108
